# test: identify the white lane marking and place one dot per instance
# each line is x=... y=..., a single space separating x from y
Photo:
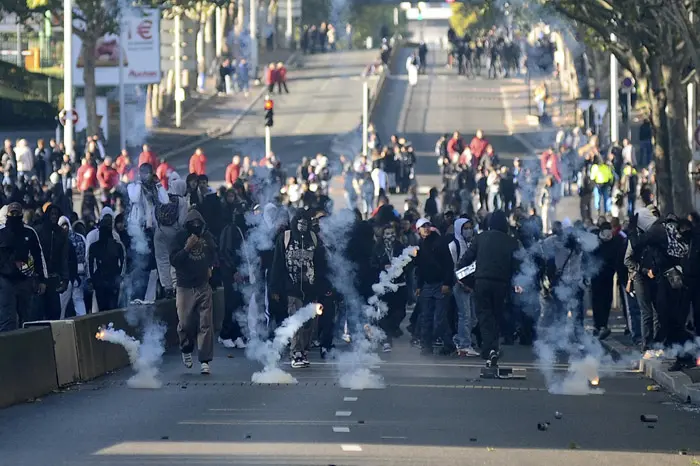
x=394 y=438
x=343 y=413
x=351 y=448
x=341 y=430
x=350 y=398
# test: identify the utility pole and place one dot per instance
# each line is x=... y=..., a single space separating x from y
x=68 y=74
x=365 y=117
x=289 y=33
x=218 y=41
x=178 y=69
x=269 y=122
x=122 y=97
x=254 y=37
x=692 y=107
x=614 y=118
x=19 y=45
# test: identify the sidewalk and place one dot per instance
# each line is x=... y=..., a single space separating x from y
x=685 y=384
x=208 y=115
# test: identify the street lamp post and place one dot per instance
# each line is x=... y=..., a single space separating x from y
x=122 y=96
x=68 y=74
x=614 y=119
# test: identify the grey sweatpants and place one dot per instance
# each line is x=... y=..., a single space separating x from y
x=162 y=239
x=301 y=341
x=194 y=312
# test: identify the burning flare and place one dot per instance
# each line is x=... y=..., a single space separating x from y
x=595 y=381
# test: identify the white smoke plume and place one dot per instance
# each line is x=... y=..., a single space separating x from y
x=272 y=350
x=377 y=308
x=145 y=356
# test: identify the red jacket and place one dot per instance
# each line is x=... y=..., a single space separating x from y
x=198 y=164
x=87 y=177
x=107 y=177
x=233 y=171
x=455 y=145
x=122 y=164
x=271 y=76
x=162 y=172
x=282 y=74
x=149 y=157
x=478 y=146
x=550 y=165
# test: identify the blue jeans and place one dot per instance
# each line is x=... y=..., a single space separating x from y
x=433 y=315
x=602 y=192
x=351 y=199
x=466 y=316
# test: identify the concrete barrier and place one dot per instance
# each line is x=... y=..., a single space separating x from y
x=27 y=365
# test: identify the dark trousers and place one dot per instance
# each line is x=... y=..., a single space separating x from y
x=16 y=304
x=694 y=295
x=645 y=291
x=271 y=88
x=282 y=84
x=326 y=321
x=396 y=302
x=602 y=297
x=673 y=312
x=585 y=206
x=490 y=298
x=233 y=300
x=48 y=305
x=107 y=297
x=433 y=322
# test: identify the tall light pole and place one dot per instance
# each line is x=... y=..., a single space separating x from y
x=178 y=69
x=692 y=107
x=68 y=74
x=365 y=117
x=289 y=33
x=614 y=119
x=254 y=36
x=122 y=97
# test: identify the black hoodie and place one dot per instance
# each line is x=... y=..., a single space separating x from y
x=434 y=261
x=193 y=267
x=20 y=244
x=54 y=243
x=494 y=251
x=299 y=264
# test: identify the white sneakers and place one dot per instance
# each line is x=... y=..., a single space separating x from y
x=205 y=368
x=231 y=344
x=187 y=361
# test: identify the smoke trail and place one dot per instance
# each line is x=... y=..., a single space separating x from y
x=271 y=373
x=144 y=356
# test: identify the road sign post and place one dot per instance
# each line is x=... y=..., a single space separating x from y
x=68 y=72
x=365 y=117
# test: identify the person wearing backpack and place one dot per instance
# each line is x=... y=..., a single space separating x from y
x=170 y=220
x=299 y=271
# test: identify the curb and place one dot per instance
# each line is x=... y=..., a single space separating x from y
x=677 y=383
x=216 y=133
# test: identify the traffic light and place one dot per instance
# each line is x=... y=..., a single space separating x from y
x=269 y=112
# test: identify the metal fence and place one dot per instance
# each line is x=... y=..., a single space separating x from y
x=36 y=51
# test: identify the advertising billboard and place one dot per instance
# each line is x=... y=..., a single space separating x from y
x=141 y=50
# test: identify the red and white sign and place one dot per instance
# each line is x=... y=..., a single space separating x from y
x=140 y=47
x=64 y=114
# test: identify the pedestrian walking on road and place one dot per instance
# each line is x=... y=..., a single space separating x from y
x=106 y=259
x=282 y=78
x=194 y=256
x=271 y=77
x=198 y=162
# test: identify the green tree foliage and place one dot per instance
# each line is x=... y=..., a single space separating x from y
x=315 y=11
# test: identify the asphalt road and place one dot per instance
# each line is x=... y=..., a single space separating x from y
x=434 y=410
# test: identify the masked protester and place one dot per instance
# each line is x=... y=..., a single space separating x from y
x=22 y=269
x=494 y=252
x=170 y=220
x=435 y=275
x=325 y=323
x=106 y=265
x=55 y=246
x=609 y=261
x=194 y=256
x=385 y=250
x=464 y=287
x=144 y=195
x=232 y=254
x=298 y=268
x=274 y=218
x=76 y=263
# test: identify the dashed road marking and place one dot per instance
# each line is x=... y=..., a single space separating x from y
x=343 y=413
x=339 y=430
x=351 y=448
x=350 y=398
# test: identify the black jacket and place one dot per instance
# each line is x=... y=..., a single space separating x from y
x=106 y=259
x=299 y=267
x=381 y=258
x=21 y=246
x=193 y=267
x=494 y=252
x=434 y=262
x=230 y=253
x=55 y=245
x=359 y=252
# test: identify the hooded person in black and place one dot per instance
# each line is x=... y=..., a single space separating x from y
x=385 y=250
x=494 y=252
x=231 y=253
x=22 y=266
x=106 y=265
x=56 y=248
x=608 y=259
x=299 y=271
x=194 y=256
x=435 y=275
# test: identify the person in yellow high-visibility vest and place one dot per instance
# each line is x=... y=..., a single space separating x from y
x=602 y=176
x=629 y=185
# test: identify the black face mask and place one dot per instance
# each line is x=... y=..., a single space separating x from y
x=195 y=229
x=14 y=223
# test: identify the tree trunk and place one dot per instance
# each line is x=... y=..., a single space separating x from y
x=679 y=150
x=88 y=48
x=657 y=100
